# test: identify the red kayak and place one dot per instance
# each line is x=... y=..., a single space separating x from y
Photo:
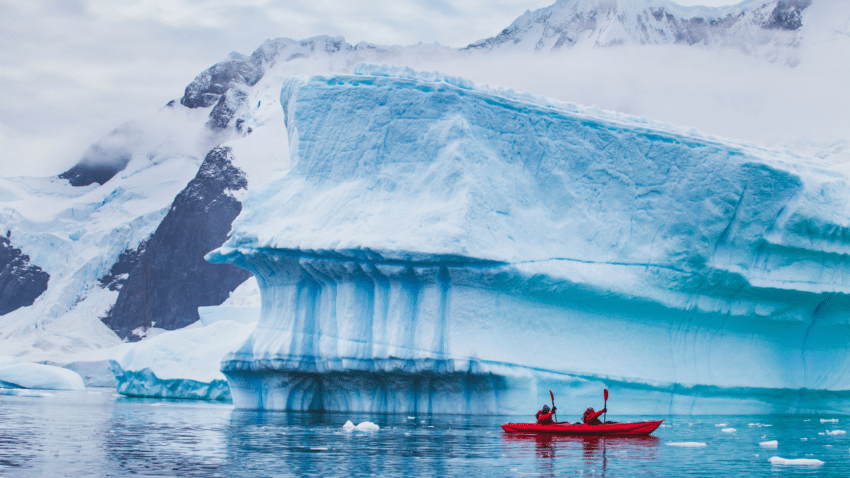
x=611 y=429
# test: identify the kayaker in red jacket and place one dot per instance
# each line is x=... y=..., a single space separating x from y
x=544 y=416
x=592 y=418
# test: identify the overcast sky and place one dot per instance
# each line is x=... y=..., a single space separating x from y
x=72 y=70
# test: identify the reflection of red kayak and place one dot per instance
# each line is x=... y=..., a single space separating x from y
x=610 y=429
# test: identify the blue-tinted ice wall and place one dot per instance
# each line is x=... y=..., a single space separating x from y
x=434 y=226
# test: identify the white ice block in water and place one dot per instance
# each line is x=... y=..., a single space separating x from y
x=729 y=430
x=829 y=420
x=835 y=432
x=37 y=376
x=348 y=426
x=182 y=363
x=366 y=426
x=431 y=228
x=769 y=444
x=777 y=460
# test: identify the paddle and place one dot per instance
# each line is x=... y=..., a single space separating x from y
x=605 y=415
x=552 y=396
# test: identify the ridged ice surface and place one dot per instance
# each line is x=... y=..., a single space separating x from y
x=441 y=246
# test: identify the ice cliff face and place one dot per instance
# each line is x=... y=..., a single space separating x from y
x=767 y=29
x=441 y=246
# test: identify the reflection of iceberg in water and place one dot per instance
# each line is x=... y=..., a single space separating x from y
x=596 y=453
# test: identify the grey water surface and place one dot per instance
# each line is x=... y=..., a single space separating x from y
x=99 y=433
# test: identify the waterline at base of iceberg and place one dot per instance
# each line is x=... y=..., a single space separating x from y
x=517 y=392
x=145 y=383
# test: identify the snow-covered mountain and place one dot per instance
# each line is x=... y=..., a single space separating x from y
x=769 y=29
x=113 y=248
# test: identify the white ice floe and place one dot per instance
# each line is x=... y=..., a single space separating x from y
x=687 y=444
x=182 y=363
x=37 y=376
x=367 y=426
x=776 y=460
x=769 y=444
x=720 y=425
x=828 y=420
x=362 y=426
x=729 y=430
x=836 y=432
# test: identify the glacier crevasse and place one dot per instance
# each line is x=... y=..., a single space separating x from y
x=442 y=246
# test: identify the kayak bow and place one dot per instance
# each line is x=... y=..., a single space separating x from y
x=609 y=429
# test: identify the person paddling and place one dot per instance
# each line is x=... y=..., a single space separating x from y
x=544 y=415
x=592 y=418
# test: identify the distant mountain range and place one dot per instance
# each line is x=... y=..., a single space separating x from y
x=114 y=246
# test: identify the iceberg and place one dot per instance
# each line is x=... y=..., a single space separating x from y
x=182 y=363
x=444 y=246
x=37 y=376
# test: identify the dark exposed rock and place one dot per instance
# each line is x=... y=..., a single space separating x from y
x=106 y=158
x=170 y=278
x=223 y=85
x=20 y=282
x=788 y=15
x=120 y=271
x=208 y=87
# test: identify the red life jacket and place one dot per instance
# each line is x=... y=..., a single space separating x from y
x=544 y=418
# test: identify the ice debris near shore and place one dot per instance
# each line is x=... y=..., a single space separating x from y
x=14 y=374
x=432 y=228
x=185 y=363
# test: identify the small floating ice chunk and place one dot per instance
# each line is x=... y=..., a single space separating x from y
x=688 y=444
x=729 y=430
x=829 y=420
x=836 y=432
x=318 y=448
x=820 y=433
x=348 y=426
x=803 y=439
x=366 y=426
x=666 y=426
x=720 y=425
x=769 y=444
x=411 y=418
x=778 y=460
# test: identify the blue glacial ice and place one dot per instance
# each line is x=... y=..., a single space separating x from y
x=442 y=246
x=185 y=363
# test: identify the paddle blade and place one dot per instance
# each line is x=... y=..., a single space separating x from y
x=552 y=396
x=605 y=393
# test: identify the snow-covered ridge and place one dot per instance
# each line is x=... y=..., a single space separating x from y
x=430 y=240
x=767 y=29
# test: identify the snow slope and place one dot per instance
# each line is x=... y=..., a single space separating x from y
x=455 y=246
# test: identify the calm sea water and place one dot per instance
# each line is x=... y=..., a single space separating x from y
x=98 y=433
